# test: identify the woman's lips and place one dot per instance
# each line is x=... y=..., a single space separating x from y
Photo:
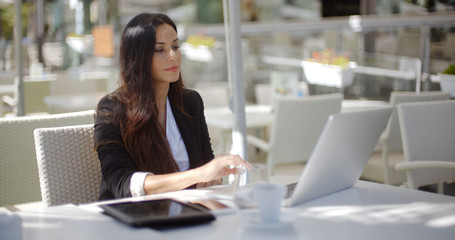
x=172 y=69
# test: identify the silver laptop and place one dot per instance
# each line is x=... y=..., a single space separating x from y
x=340 y=155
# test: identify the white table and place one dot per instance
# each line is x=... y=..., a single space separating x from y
x=366 y=211
x=353 y=105
x=262 y=116
x=255 y=116
x=6 y=89
x=73 y=102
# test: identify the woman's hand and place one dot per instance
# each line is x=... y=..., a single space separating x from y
x=219 y=167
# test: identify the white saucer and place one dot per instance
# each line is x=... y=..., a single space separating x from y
x=251 y=218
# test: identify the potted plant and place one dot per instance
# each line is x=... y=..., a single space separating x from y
x=329 y=69
x=447 y=80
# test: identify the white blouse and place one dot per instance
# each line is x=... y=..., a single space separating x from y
x=178 y=149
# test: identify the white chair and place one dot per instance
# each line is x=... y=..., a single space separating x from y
x=428 y=131
x=214 y=95
x=381 y=166
x=262 y=92
x=68 y=165
x=298 y=122
x=19 y=182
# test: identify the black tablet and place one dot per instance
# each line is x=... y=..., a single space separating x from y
x=158 y=213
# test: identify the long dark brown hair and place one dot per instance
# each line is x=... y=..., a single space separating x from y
x=138 y=113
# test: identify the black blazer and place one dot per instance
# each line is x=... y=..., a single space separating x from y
x=117 y=166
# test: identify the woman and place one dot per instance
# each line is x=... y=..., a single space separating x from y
x=150 y=133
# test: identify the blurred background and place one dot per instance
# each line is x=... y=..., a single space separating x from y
x=69 y=48
x=61 y=56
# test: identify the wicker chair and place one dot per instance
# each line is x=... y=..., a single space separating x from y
x=19 y=182
x=428 y=133
x=68 y=166
x=381 y=166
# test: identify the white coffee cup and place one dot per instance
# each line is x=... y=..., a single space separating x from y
x=268 y=197
x=10 y=226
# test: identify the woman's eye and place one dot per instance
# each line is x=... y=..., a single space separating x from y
x=176 y=47
x=158 y=50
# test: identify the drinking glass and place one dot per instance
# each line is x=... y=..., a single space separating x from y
x=245 y=180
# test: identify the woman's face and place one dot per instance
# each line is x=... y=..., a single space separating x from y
x=167 y=57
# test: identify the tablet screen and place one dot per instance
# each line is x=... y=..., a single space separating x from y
x=157 y=212
x=159 y=208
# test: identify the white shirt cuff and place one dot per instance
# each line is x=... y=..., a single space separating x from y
x=137 y=183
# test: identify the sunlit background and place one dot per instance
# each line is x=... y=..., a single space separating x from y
x=364 y=49
x=71 y=46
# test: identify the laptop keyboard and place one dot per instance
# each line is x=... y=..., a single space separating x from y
x=290 y=189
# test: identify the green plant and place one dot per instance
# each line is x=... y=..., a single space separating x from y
x=7 y=20
x=450 y=70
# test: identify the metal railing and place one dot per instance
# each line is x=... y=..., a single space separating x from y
x=358 y=24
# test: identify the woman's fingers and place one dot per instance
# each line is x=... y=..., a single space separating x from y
x=213 y=183
x=228 y=171
x=236 y=160
x=221 y=166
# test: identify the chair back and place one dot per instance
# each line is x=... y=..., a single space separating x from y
x=263 y=94
x=297 y=126
x=214 y=96
x=392 y=131
x=19 y=182
x=428 y=131
x=68 y=165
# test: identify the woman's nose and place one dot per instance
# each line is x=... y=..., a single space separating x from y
x=171 y=55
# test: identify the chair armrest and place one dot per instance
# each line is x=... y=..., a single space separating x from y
x=257 y=142
x=9 y=100
x=424 y=164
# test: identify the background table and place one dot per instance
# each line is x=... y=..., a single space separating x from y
x=261 y=117
x=5 y=89
x=73 y=102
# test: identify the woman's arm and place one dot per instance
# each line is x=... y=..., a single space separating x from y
x=211 y=171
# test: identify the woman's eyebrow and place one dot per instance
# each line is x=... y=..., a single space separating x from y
x=175 y=40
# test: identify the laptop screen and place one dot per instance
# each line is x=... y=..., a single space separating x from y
x=342 y=151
